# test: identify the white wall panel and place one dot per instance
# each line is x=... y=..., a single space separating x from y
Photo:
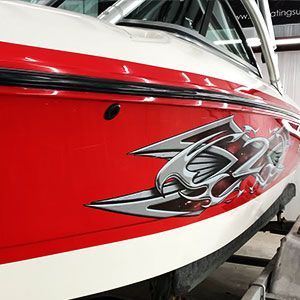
x=289 y=63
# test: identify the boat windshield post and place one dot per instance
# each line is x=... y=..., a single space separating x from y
x=265 y=10
x=119 y=10
x=267 y=45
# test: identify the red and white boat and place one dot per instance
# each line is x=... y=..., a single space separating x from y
x=133 y=150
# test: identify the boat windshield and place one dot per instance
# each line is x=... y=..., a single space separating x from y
x=88 y=7
x=212 y=19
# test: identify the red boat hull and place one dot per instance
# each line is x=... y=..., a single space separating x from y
x=59 y=153
x=60 y=156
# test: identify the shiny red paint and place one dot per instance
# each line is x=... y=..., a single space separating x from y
x=58 y=153
x=62 y=62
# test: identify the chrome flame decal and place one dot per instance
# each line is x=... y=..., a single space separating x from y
x=205 y=166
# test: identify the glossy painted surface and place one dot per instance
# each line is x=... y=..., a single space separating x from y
x=95 y=269
x=59 y=150
x=61 y=62
x=58 y=153
x=69 y=32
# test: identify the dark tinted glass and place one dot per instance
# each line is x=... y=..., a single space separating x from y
x=186 y=13
x=223 y=31
x=88 y=7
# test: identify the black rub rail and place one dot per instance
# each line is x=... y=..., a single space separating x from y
x=66 y=82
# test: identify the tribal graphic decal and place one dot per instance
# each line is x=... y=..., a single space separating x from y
x=205 y=166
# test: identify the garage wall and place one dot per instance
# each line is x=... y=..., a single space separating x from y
x=289 y=64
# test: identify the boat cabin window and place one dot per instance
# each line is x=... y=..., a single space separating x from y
x=186 y=13
x=212 y=19
x=223 y=32
x=88 y=7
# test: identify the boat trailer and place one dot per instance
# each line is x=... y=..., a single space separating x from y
x=280 y=279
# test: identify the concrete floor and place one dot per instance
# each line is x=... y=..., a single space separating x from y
x=229 y=282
